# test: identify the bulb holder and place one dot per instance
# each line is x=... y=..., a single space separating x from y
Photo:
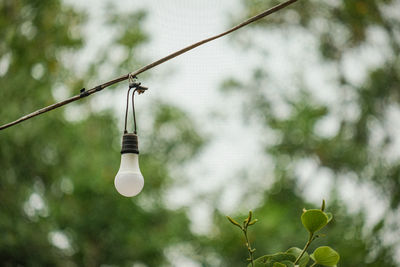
x=130 y=143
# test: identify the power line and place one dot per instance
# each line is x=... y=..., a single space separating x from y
x=147 y=67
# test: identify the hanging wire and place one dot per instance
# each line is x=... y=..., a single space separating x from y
x=131 y=82
x=138 y=88
x=126 y=111
x=133 y=109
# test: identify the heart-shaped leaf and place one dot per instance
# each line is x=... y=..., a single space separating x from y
x=314 y=220
x=270 y=260
x=278 y=257
x=261 y=261
x=296 y=252
x=287 y=263
x=325 y=256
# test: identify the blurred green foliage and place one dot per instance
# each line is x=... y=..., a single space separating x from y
x=58 y=206
x=341 y=30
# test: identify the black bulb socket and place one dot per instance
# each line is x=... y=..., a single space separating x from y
x=130 y=143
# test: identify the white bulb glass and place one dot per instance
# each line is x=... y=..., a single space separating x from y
x=129 y=180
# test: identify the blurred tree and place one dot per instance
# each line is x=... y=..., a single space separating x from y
x=365 y=110
x=58 y=205
x=57 y=201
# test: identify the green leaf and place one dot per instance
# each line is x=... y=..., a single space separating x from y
x=287 y=263
x=278 y=264
x=234 y=222
x=261 y=261
x=253 y=222
x=278 y=257
x=313 y=220
x=329 y=215
x=325 y=256
x=270 y=260
x=296 y=252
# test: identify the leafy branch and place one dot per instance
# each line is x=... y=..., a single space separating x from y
x=313 y=220
x=246 y=223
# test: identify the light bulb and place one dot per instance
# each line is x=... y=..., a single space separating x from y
x=129 y=180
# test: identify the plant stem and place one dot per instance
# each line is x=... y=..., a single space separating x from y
x=313 y=264
x=248 y=247
x=310 y=239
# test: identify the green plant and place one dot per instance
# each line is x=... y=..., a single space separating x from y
x=313 y=220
